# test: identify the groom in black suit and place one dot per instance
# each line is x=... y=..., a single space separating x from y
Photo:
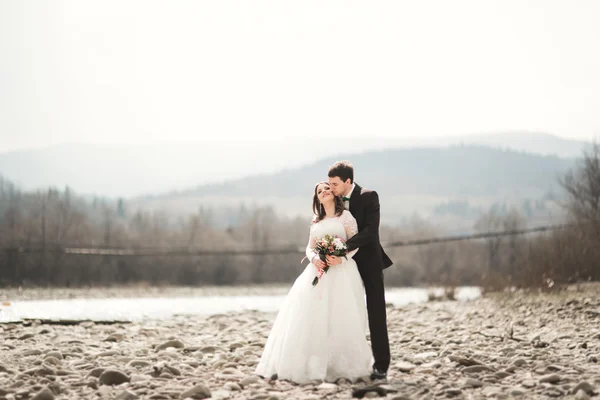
x=371 y=259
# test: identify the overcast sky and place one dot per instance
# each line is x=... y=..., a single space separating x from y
x=153 y=71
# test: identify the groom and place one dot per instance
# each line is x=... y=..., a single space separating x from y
x=371 y=259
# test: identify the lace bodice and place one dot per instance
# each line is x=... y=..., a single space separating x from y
x=344 y=226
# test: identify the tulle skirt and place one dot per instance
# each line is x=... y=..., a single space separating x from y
x=320 y=332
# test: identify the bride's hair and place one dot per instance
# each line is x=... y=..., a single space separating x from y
x=320 y=211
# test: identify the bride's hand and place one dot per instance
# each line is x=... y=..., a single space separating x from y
x=333 y=260
x=317 y=262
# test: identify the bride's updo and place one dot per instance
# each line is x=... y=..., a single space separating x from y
x=320 y=211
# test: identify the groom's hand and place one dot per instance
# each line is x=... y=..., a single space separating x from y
x=333 y=260
x=317 y=262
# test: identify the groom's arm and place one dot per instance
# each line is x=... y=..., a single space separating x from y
x=370 y=232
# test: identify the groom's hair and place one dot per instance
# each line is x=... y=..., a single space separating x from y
x=343 y=170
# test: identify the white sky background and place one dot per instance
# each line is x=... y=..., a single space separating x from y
x=156 y=71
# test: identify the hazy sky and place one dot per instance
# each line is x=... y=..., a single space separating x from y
x=147 y=71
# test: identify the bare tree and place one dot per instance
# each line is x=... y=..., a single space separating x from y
x=511 y=222
x=109 y=225
x=491 y=222
x=194 y=227
x=582 y=185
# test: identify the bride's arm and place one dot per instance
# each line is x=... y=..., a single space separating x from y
x=310 y=249
x=311 y=254
x=351 y=228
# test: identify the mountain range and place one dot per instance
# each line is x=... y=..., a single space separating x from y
x=408 y=180
x=449 y=179
x=133 y=170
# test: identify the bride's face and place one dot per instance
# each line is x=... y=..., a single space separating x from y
x=324 y=193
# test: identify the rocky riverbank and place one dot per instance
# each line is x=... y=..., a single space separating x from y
x=518 y=346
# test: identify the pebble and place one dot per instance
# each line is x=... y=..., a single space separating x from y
x=552 y=378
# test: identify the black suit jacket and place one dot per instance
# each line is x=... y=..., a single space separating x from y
x=364 y=206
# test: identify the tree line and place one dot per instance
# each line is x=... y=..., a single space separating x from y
x=51 y=219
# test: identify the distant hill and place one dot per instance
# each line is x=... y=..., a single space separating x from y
x=134 y=170
x=530 y=142
x=454 y=185
x=460 y=171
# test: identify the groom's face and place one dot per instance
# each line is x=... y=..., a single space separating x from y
x=338 y=186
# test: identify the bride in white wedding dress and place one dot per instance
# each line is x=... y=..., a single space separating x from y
x=320 y=331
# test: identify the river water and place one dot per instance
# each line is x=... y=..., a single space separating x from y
x=135 y=309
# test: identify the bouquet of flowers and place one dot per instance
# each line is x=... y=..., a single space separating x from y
x=329 y=246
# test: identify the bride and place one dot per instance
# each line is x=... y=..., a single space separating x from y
x=320 y=331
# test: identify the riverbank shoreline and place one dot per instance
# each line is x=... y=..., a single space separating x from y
x=500 y=346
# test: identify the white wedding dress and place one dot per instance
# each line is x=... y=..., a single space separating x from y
x=320 y=331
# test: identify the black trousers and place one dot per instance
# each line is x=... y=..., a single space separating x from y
x=375 y=291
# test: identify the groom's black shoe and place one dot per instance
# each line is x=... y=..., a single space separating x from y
x=377 y=374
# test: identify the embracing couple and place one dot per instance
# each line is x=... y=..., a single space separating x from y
x=320 y=331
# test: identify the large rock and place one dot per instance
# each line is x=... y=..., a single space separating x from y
x=139 y=364
x=405 y=367
x=44 y=394
x=425 y=355
x=477 y=368
x=44 y=370
x=56 y=354
x=473 y=383
x=197 y=392
x=96 y=372
x=466 y=362
x=31 y=352
x=115 y=337
x=327 y=386
x=221 y=394
x=177 y=344
x=586 y=387
x=453 y=392
x=135 y=378
x=27 y=336
x=126 y=395
x=519 y=362
x=552 y=378
x=232 y=386
x=230 y=374
x=581 y=395
x=250 y=379
x=52 y=361
x=109 y=353
x=112 y=377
